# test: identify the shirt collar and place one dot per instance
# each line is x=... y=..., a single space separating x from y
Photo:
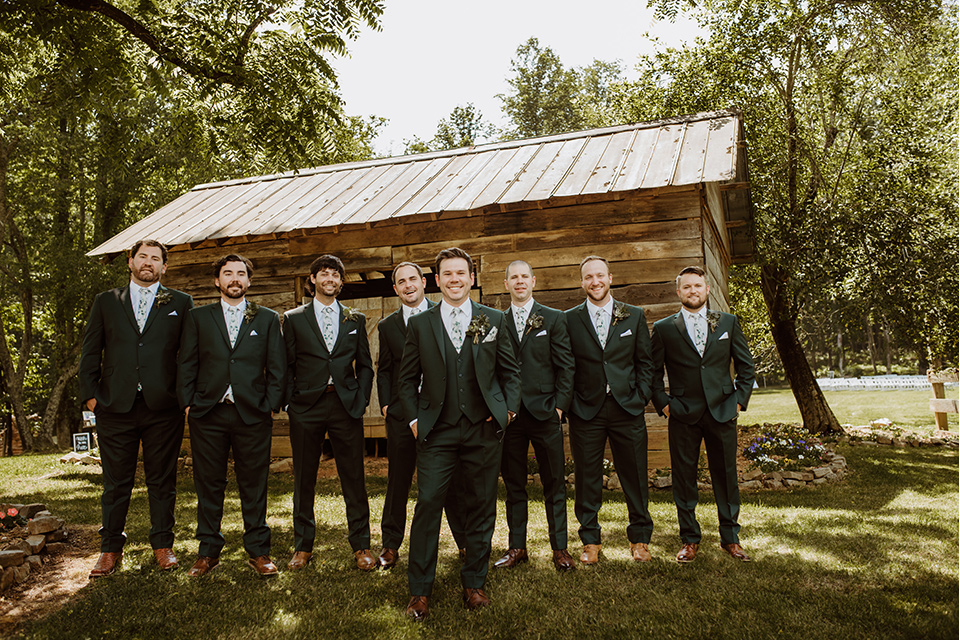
x=702 y=311
x=420 y=308
x=467 y=307
x=226 y=307
x=608 y=308
x=319 y=306
x=134 y=287
x=527 y=306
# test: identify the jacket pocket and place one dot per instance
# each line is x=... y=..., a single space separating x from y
x=727 y=389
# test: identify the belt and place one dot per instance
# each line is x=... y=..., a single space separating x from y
x=329 y=389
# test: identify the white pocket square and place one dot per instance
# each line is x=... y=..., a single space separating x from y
x=628 y=332
x=352 y=332
x=542 y=333
x=725 y=336
x=172 y=313
x=491 y=336
x=254 y=333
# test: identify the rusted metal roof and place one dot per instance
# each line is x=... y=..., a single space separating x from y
x=702 y=148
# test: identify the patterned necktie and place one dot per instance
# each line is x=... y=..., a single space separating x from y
x=327 y=328
x=699 y=333
x=233 y=327
x=601 y=327
x=412 y=313
x=143 y=308
x=520 y=318
x=457 y=329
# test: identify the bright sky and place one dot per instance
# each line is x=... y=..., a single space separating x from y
x=433 y=55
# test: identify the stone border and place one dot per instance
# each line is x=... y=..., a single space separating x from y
x=20 y=556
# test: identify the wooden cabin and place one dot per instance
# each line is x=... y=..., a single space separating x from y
x=651 y=197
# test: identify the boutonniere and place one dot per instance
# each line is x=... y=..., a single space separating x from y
x=251 y=311
x=163 y=296
x=478 y=327
x=534 y=322
x=619 y=313
x=349 y=313
x=713 y=319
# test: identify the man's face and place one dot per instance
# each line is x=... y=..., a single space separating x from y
x=455 y=280
x=693 y=291
x=409 y=286
x=519 y=284
x=146 y=266
x=233 y=281
x=327 y=282
x=595 y=279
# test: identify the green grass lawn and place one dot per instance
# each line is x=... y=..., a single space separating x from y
x=875 y=556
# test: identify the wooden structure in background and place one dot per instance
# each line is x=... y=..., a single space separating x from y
x=651 y=197
x=940 y=404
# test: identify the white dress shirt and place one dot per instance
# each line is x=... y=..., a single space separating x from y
x=446 y=314
x=690 y=322
x=225 y=308
x=135 y=294
x=607 y=314
x=528 y=307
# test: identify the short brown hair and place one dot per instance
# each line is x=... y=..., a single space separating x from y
x=149 y=243
x=506 y=272
x=695 y=270
x=393 y=276
x=232 y=257
x=453 y=252
x=328 y=261
x=600 y=258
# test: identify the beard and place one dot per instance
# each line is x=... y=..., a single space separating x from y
x=147 y=274
x=690 y=305
x=598 y=295
x=234 y=290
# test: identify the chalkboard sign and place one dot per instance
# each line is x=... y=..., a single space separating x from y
x=82 y=442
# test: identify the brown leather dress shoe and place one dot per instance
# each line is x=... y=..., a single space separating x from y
x=264 y=566
x=417 y=608
x=365 y=561
x=475 y=599
x=736 y=551
x=512 y=558
x=107 y=563
x=591 y=554
x=165 y=559
x=387 y=558
x=203 y=566
x=299 y=560
x=562 y=560
x=687 y=552
x=640 y=552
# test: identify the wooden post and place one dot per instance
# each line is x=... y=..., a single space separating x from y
x=939 y=403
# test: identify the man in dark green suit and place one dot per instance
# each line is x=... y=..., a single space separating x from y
x=128 y=375
x=409 y=285
x=231 y=377
x=539 y=336
x=470 y=392
x=697 y=346
x=329 y=380
x=611 y=387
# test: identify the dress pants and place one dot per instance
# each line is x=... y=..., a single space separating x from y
x=720 y=440
x=212 y=437
x=119 y=436
x=628 y=442
x=476 y=446
x=307 y=431
x=547 y=439
x=402 y=457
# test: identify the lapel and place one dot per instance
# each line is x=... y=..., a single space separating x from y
x=345 y=327
x=474 y=340
x=584 y=314
x=533 y=312
x=127 y=303
x=712 y=336
x=218 y=320
x=436 y=322
x=512 y=326
x=153 y=312
x=311 y=314
x=245 y=328
x=684 y=335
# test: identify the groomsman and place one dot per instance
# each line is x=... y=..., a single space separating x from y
x=539 y=336
x=470 y=392
x=329 y=379
x=232 y=366
x=409 y=284
x=698 y=346
x=611 y=346
x=128 y=375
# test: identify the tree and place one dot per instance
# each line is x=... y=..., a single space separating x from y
x=464 y=128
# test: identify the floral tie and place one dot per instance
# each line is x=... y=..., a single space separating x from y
x=457 y=328
x=700 y=333
x=520 y=318
x=143 y=308
x=328 y=328
x=233 y=327
x=601 y=327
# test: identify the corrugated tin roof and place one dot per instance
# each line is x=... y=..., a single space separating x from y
x=674 y=152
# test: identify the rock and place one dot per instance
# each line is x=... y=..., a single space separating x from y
x=36 y=543
x=820 y=472
x=829 y=455
x=840 y=473
x=22 y=545
x=751 y=485
x=663 y=482
x=753 y=474
x=45 y=524
x=772 y=484
x=55 y=547
x=72 y=456
x=21 y=573
x=89 y=459
x=282 y=466
x=31 y=510
x=830 y=476
x=42 y=514
x=11 y=558
x=884 y=439
x=899 y=443
x=775 y=476
x=58 y=535
x=806 y=476
x=867 y=443
x=792 y=475
x=35 y=562
x=614 y=483
x=188 y=461
x=571 y=478
x=536 y=480
x=606 y=481
x=819 y=480
x=791 y=482
x=6 y=578
x=704 y=486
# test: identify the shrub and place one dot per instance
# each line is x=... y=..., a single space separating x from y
x=784 y=447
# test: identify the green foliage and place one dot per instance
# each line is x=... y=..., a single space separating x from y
x=464 y=128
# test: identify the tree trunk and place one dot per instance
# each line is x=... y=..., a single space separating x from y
x=50 y=415
x=886 y=347
x=871 y=343
x=840 y=353
x=815 y=412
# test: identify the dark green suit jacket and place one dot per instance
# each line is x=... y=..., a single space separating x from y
x=393 y=335
x=624 y=363
x=699 y=384
x=546 y=361
x=116 y=356
x=424 y=355
x=310 y=365
x=256 y=366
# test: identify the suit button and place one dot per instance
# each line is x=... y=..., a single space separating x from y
x=233 y=361
x=141 y=344
x=520 y=362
